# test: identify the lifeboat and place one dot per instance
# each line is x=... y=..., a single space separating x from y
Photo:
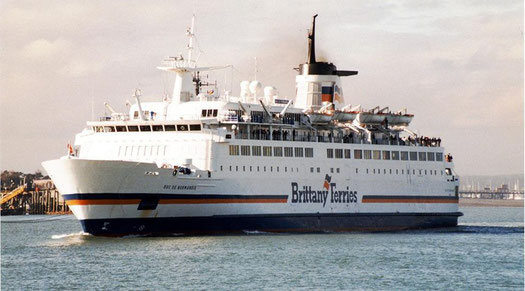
x=344 y=116
x=378 y=118
x=319 y=118
x=400 y=119
x=370 y=118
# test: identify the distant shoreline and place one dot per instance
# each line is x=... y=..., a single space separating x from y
x=473 y=202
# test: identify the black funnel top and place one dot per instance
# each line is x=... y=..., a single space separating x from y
x=312 y=67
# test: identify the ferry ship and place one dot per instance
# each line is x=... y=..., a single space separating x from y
x=201 y=162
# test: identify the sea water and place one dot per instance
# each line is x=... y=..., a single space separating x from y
x=52 y=253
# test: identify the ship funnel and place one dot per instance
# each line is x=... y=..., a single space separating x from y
x=311 y=43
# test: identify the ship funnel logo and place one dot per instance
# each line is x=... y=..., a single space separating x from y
x=327 y=180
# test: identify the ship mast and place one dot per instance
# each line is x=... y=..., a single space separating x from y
x=190 y=34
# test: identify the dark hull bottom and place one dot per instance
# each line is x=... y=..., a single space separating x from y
x=309 y=223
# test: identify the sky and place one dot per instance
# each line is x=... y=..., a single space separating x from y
x=456 y=65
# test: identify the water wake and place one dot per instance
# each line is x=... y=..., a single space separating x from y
x=75 y=234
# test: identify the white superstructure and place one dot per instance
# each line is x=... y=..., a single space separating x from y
x=205 y=163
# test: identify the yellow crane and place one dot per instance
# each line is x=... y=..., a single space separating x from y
x=13 y=194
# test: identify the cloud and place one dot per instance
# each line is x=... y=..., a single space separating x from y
x=79 y=68
x=42 y=49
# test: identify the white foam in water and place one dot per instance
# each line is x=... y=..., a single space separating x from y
x=255 y=232
x=75 y=234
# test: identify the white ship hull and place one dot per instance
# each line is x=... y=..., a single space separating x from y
x=120 y=198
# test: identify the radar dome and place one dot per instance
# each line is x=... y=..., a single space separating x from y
x=255 y=86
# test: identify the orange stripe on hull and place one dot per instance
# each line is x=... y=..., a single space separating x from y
x=212 y=201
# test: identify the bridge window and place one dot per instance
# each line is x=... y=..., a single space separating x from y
x=347 y=153
x=145 y=128
x=120 y=128
x=182 y=127
x=215 y=112
x=368 y=154
x=288 y=152
x=422 y=156
x=439 y=157
x=358 y=154
x=404 y=156
x=195 y=127
x=338 y=153
x=386 y=155
x=413 y=156
x=377 y=155
x=298 y=152
x=430 y=157
x=157 y=128
x=109 y=129
x=169 y=127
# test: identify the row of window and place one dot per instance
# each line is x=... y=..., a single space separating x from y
x=390 y=171
x=384 y=155
x=209 y=112
x=299 y=152
x=144 y=128
x=268 y=151
x=261 y=169
x=421 y=172
x=143 y=151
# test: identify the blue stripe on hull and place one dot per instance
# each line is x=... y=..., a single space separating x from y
x=269 y=223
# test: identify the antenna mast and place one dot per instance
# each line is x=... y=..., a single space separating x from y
x=190 y=45
x=255 y=73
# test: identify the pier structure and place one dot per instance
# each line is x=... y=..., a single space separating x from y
x=492 y=194
x=38 y=197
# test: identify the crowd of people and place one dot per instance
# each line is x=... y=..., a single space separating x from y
x=352 y=137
